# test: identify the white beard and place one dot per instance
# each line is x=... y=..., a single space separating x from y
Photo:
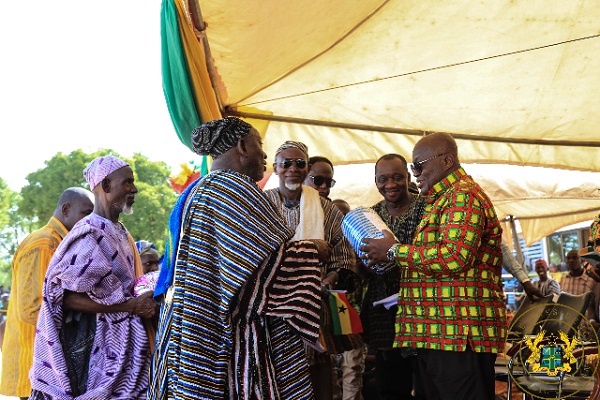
x=123 y=208
x=292 y=186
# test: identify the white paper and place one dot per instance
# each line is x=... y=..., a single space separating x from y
x=388 y=302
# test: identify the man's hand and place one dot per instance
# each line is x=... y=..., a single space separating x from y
x=376 y=249
x=331 y=280
x=325 y=249
x=144 y=305
x=592 y=272
x=531 y=290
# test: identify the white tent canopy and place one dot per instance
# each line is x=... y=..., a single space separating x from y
x=515 y=82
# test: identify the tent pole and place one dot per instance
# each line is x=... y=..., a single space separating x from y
x=200 y=30
x=515 y=238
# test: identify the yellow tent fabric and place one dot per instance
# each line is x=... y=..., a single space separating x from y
x=515 y=82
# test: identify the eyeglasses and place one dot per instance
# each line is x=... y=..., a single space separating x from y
x=319 y=180
x=417 y=167
x=300 y=163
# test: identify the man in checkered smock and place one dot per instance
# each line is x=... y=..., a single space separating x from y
x=450 y=307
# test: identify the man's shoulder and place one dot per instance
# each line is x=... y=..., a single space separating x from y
x=272 y=194
x=44 y=236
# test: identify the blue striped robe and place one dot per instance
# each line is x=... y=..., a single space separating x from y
x=243 y=299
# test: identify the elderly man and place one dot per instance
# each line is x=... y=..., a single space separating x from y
x=90 y=341
x=311 y=216
x=450 y=306
x=239 y=296
x=29 y=266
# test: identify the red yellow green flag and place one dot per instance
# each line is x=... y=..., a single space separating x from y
x=345 y=318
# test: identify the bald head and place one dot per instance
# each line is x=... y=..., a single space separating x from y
x=342 y=205
x=434 y=157
x=440 y=142
x=74 y=204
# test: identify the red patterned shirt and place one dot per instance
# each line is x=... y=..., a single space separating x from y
x=453 y=294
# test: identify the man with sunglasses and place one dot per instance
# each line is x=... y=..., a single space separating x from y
x=320 y=175
x=450 y=306
x=312 y=217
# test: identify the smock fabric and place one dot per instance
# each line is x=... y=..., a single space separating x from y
x=94 y=258
x=453 y=294
x=240 y=298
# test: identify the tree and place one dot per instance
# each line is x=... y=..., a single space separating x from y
x=153 y=202
x=10 y=228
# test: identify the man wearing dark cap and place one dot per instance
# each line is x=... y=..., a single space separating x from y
x=238 y=296
x=90 y=341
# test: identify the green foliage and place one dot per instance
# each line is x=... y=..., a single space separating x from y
x=152 y=208
x=11 y=229
x=46 y=184
x=153 y=203
x=11 y=225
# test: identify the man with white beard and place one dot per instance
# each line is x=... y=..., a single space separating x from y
x=313 y=217
x=91 y=342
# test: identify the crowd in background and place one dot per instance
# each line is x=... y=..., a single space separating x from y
x=239 y=304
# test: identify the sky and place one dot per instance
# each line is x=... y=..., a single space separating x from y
x=82 y=75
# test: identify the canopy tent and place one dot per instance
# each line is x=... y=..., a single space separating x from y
x=515 y=82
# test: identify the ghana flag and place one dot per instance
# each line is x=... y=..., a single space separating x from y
x=344 y=317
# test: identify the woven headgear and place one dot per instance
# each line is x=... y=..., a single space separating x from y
x=289 y=144
x=144 y=246
x=216 y=137
x=100 y=167
x=541 y=262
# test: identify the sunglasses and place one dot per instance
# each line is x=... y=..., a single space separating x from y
x=417 y=167
x=300 y=163
x=319 y=180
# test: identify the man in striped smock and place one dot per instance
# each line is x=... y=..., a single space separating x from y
x=450 y=306
x=312 y=216
x=238 y=295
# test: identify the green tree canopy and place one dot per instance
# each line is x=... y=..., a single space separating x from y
x=10 y=227
x=152 y=208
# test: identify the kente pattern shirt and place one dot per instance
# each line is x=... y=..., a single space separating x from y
x=452 y=296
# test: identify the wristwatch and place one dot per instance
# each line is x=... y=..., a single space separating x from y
x=391 y=254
